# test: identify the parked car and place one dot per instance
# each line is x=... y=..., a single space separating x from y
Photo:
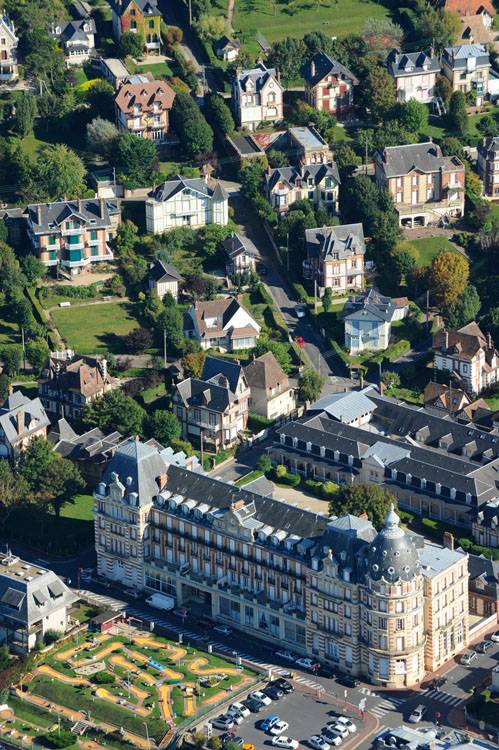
x=259 y=696
x=224 y=629
x=348 y=723
x=326 y=671
x=227 y=737
x=495 y=637
x=282 y=684
x=286 y=655
x=307 y=663
x=279 y=727
x=273 y=692
x=254 y=705
x=285 y=742
x=223 y=722
x=347 y=680
x=318 y=742
x=484 y=646
x=236 y=717
x=436 y=683
x=240 y=708
x=267 y=723
x=331 y=737
x=300 y=311
x=132 y=593
x=468 y=658
x=335 y=726
x=417 y=714
x=239 y=741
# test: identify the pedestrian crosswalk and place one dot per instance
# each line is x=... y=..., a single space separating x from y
x=443 y=697
x=388 y=704
x=366 y=691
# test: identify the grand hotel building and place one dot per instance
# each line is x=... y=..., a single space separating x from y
x=384 y=606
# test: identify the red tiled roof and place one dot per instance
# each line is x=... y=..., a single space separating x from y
x=470 y=7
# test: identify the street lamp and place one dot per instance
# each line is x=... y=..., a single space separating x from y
x=147 y=734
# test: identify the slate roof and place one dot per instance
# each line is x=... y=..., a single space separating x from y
x=196 y=392
x=457 y=57
x=321 y=65
x=148 y=7
x=489 y=148
x=464 y=343
x=170 y=188
x=222 y=308
x=93 y=445
x=237 y=244
x=226 y=43
x=435 y=559
x=266 y=372
x=162 y=271
x=374 y=303
x=481 y=569
x=79 y=374
x=259 y=75
x=398 y=424
x=344 y=241
x=48 y=217
x=138 y=466
x=214 y=366
x=401 y=64
x=426 y=157
x=75 y=31
x=290 y=175
x=29 y=410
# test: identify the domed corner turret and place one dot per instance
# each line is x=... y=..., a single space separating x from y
x=393 y=555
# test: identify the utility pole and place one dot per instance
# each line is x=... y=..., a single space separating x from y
x=366 y=152
x=287 y=251
x=427 y=307
x=164 y=347
x=315 y=296
x=190 y=13
x=24 y=350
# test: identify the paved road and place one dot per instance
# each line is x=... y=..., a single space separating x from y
x=322 y=359
x=244 y=462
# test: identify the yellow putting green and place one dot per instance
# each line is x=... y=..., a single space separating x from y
x=164 y=702
x=141 y=695
x=69 y=652
x=197 y=666
x=120 y=661
x=116 y=646
x=173 y=652
x=215 y=698
x=107 y=696
x=45 y=669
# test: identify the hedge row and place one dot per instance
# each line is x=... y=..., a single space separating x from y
x=325 y=490
x=436 y=529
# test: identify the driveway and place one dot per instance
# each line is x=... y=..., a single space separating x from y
x=322 y=359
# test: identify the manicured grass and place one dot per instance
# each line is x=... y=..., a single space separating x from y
x=150 y=395
x=84 y=612
x=256 y=474
x=429 y=247
x=28 y=712
x=493 y=402
x=82 y=510
x=96 y=328
x=276 y=20
x=9 y=333
x=157 y=69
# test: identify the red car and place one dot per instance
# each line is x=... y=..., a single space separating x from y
x=300 y=341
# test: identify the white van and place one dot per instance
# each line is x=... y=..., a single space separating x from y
x=161 y=601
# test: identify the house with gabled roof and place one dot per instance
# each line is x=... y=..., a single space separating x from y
x=144 y=109
x=466 y=8
x=163 y=279
x=335 y=257
x=21 y=420
x=242 y=254
x=257 y=96
x=415 y=75
x=186 y=202
x=213 y=407
x=318 y=183
x=8 y=50
x=469 y=355
x=467 y=66
x=226 y=48
x=426 y=186
x=368 y=320
x=138 y=17
x=77 y=39
x=272 y=395
x=329 y=85
x=222 y=324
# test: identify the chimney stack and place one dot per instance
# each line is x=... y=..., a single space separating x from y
x=312 y=69
x=80 y=205
x=38 y=214
x=20 y=422
x=102 y=207
x=489 y=341
x=446 y=339
x=448 y=540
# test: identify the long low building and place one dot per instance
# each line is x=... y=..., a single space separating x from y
x=435 y=466
x=367 y=602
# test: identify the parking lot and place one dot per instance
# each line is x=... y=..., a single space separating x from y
x=305 y=713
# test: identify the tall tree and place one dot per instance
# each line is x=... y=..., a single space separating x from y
x=13 y=491
x=164 y=427
x=449 y=276
x=102 y=136
x=457 y=115
x=463 y=309
x=25 y=113
x=218 y=114
x=34 y=462
x=378 y=93
x=357 y=499
x=136 y=160
x=131 y=44
x=60 y=172
x=61 y=483
x=115 y=411
x=311 y=383
x=187 y=118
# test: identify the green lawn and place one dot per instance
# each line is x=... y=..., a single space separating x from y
x=157 y=69
x=9 y=333
x=493 y=402
x=276 y=20
x=96 y=328
x=429 y=247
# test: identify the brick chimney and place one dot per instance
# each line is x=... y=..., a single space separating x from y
x=38 y=214
x=448 y=540
x=446 y=339
x=80 y=205
x=102 y=207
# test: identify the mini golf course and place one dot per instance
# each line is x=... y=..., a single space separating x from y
x=136 y=685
